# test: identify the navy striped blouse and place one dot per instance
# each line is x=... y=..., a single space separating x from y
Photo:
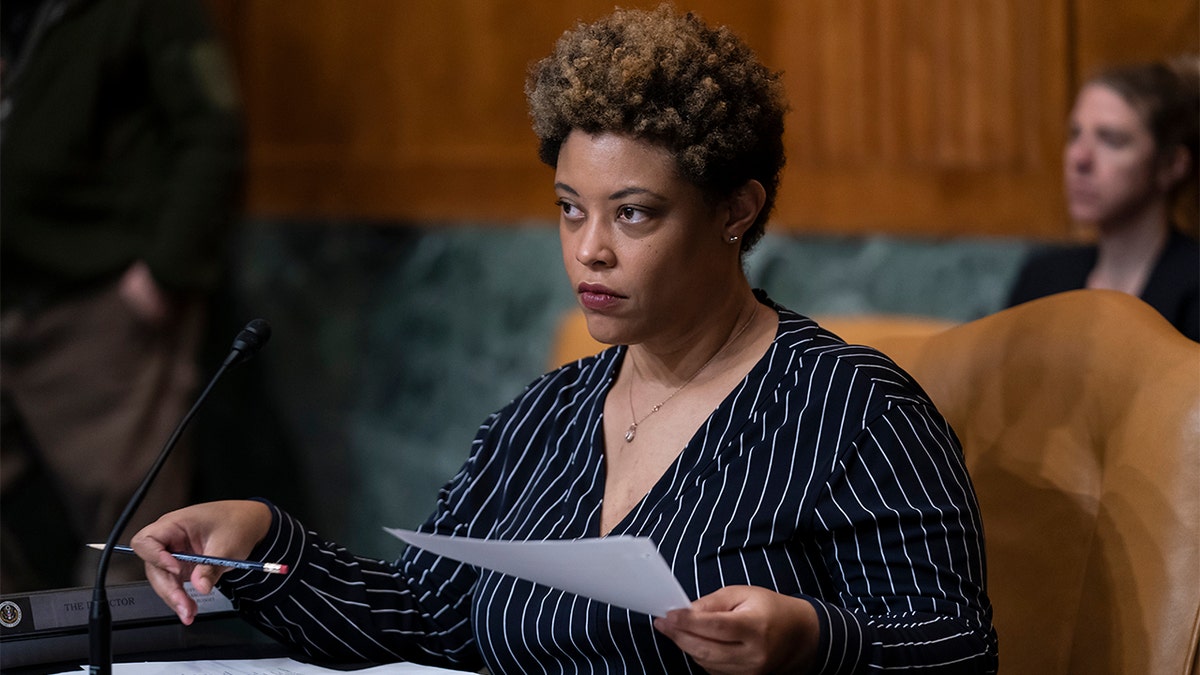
x=826 y=474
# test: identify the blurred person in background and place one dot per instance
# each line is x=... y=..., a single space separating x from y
x=1129 y=168
x=121 y=161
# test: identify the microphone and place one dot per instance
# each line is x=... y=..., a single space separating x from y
x=245 y=345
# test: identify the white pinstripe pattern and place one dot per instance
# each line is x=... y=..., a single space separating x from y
x=826 y=474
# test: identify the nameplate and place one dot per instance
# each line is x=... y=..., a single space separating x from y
x=27 y=614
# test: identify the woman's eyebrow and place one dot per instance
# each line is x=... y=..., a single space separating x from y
x=626 y=192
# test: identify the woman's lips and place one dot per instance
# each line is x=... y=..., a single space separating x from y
x=1082 y=192
x=597 y=298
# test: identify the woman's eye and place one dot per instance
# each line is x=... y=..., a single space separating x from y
x=569 y=210
x=1114 y=139
x=631 y=214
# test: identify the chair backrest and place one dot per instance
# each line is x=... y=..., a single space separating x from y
x=1080 y=418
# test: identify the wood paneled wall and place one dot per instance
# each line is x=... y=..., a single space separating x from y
x=929 y=116
x=934 y=117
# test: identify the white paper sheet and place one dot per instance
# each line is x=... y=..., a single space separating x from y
x=280 y=666
x=622 y=571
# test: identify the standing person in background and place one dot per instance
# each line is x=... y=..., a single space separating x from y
x=121 y=161
x=1129 y=159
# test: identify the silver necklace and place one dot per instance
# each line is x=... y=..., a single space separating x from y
x=631 y=432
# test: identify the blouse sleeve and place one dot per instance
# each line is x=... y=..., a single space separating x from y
x=336 y=606
x=900 y=534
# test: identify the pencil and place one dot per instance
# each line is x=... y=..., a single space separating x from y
x=269 y=568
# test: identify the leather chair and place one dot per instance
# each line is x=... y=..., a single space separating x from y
x=1079 y=415
x=1080 y=418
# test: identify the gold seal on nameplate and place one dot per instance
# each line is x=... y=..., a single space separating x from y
x=10 y=614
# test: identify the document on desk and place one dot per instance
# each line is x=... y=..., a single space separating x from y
x=279 y=666
x=623 y=571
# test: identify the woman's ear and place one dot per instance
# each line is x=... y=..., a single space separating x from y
x=745 y=204
x=1175 y=167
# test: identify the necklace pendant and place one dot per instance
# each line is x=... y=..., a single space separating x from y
x=630 y=433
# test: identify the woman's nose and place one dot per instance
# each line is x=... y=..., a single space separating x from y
x=592 y=246
x=1080 y=155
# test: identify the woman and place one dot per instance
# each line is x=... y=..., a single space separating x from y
x=1130 y=156
x=806 y=492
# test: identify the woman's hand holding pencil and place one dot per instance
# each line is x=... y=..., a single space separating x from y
x=225 y=530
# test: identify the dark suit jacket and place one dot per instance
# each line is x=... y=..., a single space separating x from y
x=1173 y=287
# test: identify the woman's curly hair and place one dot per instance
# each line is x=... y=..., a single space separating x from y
x=700 y=92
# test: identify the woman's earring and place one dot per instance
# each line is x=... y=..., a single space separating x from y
x=733 y=238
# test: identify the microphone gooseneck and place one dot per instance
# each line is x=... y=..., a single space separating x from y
x=245 y=345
